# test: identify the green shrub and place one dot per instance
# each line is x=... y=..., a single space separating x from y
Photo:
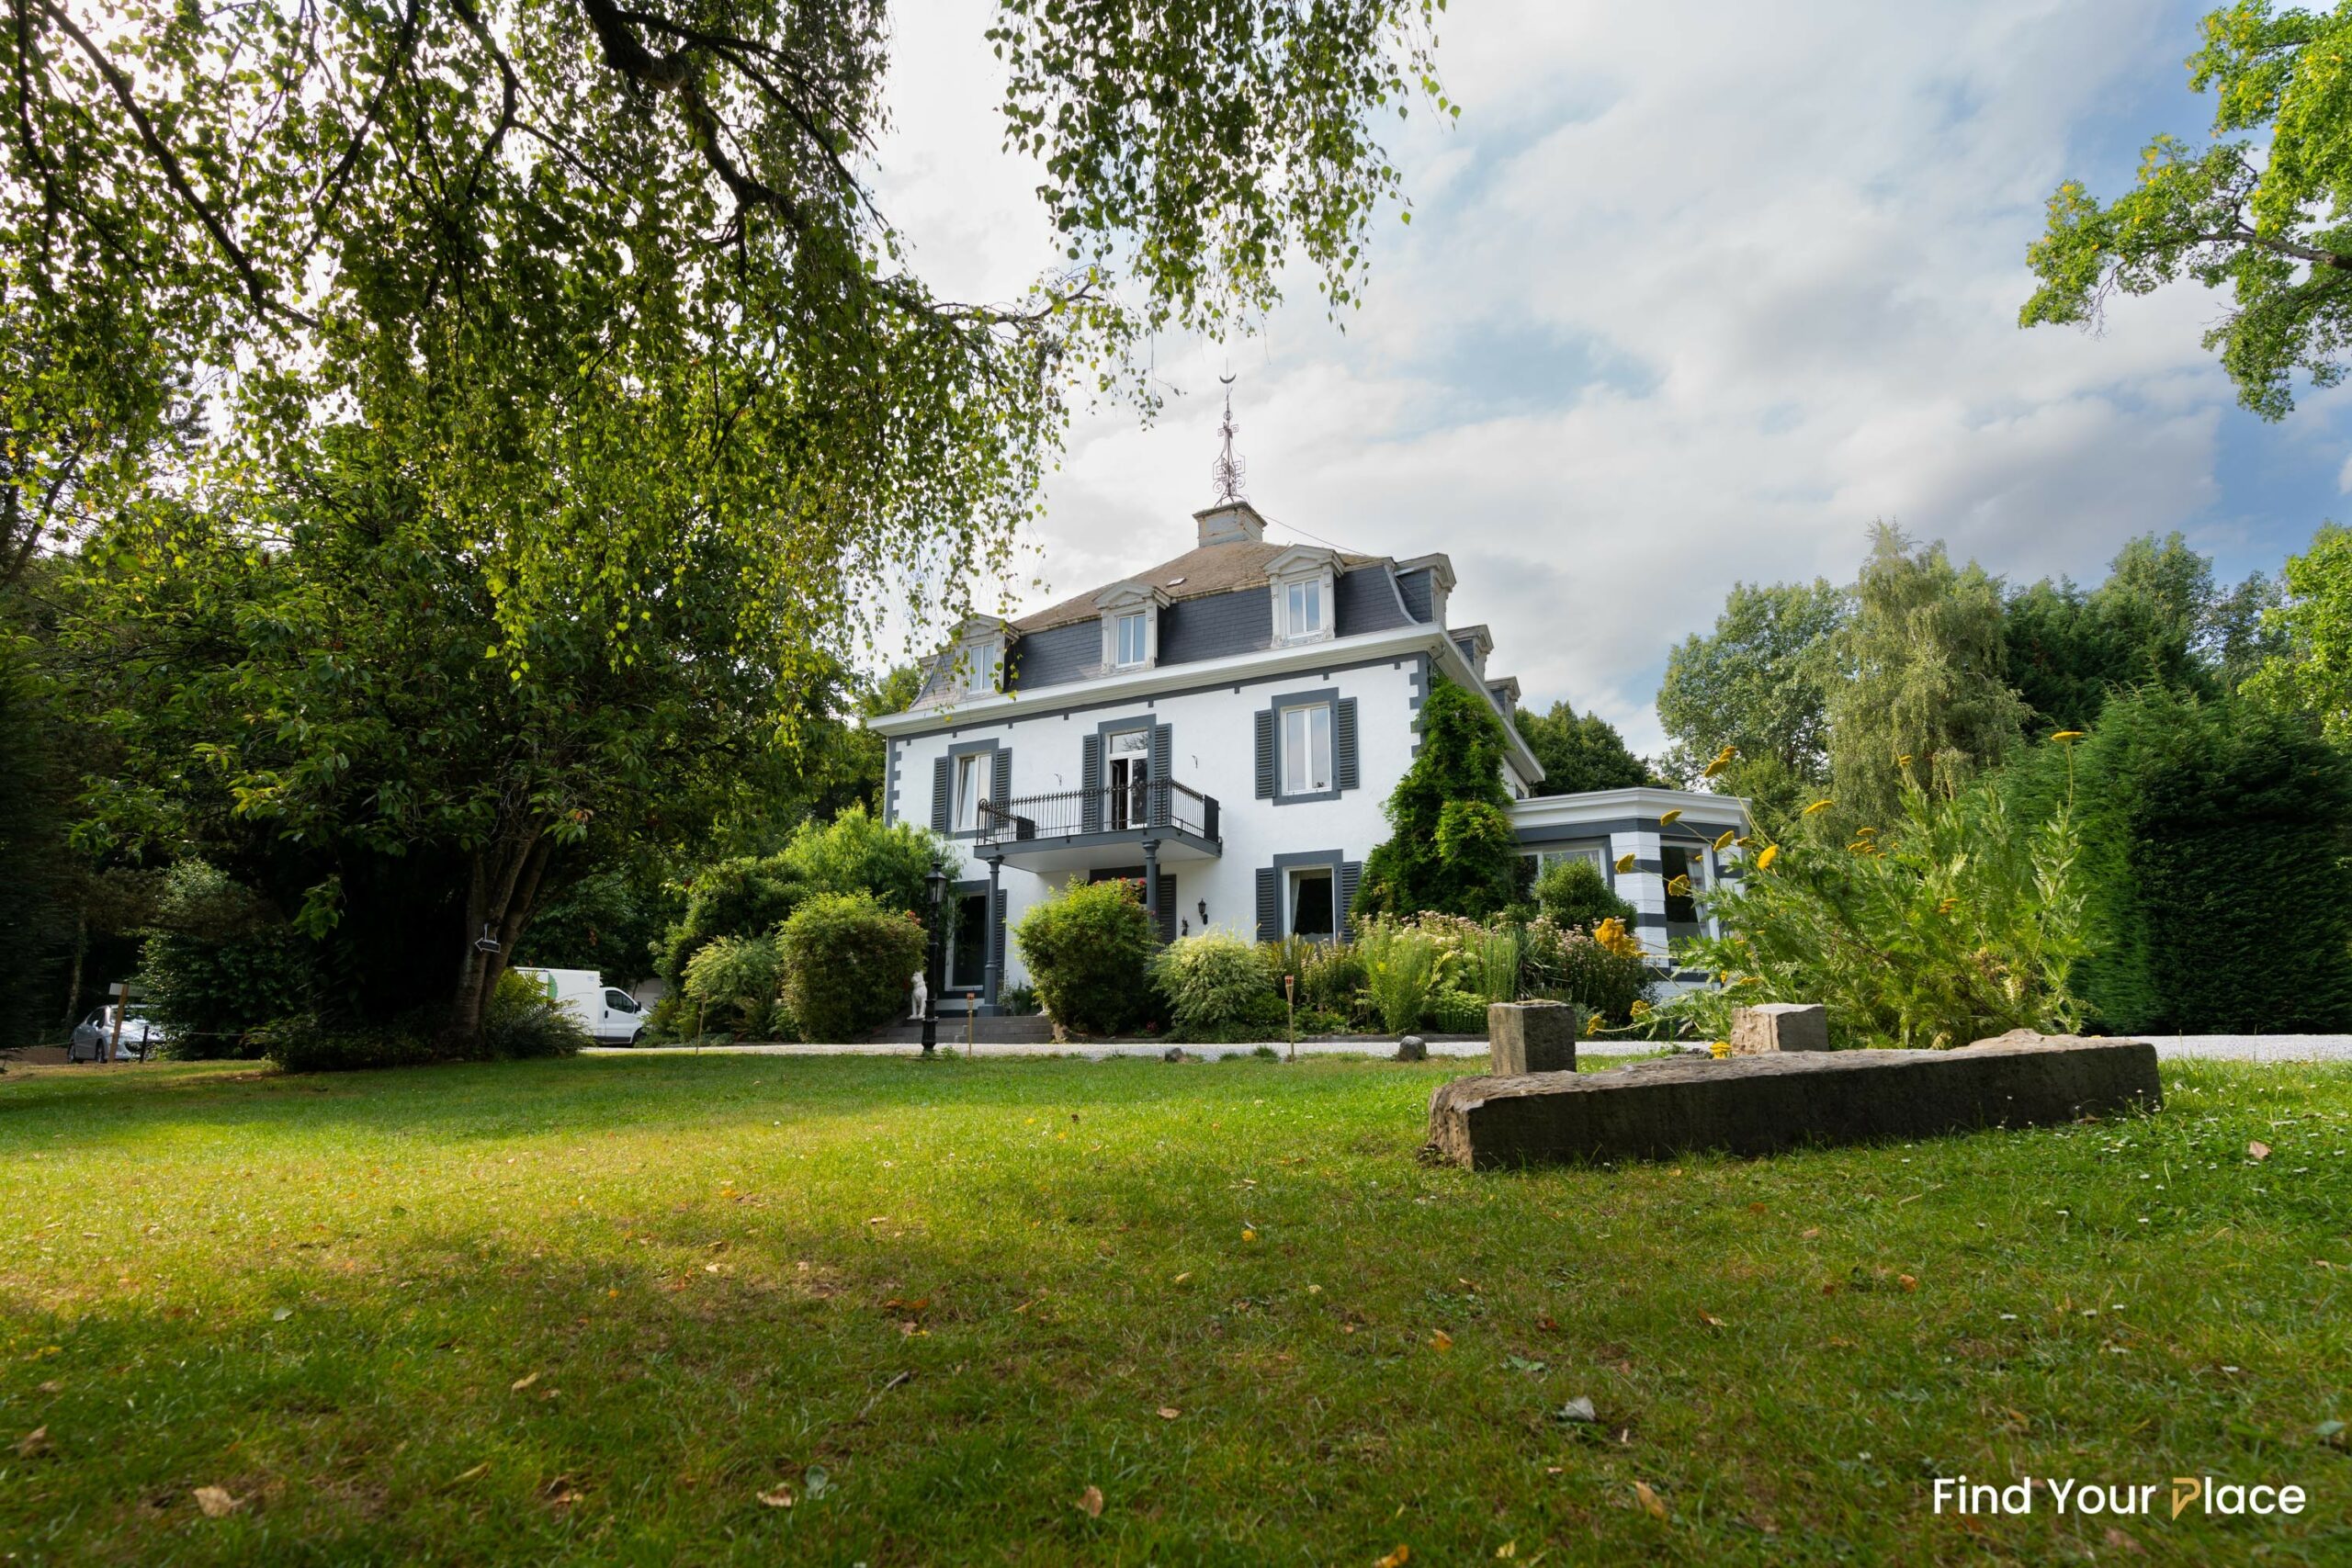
x=1329 y=974
x=733 y=982
x=219 y=964
x=847 y=963
x=1401 y=971
x=1451 y=845
x=1573 y=892
x=1088 y=951
x=1570 y=966
x=1456 y=1012
x=1018 y=1001
x=520 y=1023
x=1216 y=981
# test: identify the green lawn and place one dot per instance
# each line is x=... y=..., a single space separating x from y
x=593 y=1310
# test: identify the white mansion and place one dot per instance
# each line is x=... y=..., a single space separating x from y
x=1224 y=728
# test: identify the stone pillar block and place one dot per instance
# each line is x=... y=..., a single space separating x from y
x=1780 y=1026
x=1531 y=1037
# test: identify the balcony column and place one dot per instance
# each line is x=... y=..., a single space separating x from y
x=1151 y=880
x=992 y=975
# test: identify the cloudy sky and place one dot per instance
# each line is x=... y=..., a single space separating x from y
x=1692 y=294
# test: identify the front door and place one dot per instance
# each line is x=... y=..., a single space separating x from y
x=1130 y=757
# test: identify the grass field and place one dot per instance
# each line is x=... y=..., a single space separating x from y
x=881 y=1311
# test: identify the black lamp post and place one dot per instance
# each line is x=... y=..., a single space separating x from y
x=935 y=890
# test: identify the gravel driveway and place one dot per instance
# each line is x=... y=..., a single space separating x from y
x=2233 y=1048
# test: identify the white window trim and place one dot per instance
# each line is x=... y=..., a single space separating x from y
x=1287 y=756
x=1115 y=623
x=1324 y=582
x=964 y=806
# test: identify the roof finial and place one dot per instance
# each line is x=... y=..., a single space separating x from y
x=1228 y=469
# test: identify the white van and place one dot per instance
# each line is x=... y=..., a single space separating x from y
x=609 y=1014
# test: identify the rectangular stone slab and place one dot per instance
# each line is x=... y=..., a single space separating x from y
x=1755 y=1105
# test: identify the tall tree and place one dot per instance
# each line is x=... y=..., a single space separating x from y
x=2151 y=622
x=2260 y=212
x=1927 y=693
x=1451 y=847
x=573 y=332
x=2312 y=675
x=1578 y=753
x=1759 y=684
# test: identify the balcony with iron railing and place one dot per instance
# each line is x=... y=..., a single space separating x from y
x=1111 y=818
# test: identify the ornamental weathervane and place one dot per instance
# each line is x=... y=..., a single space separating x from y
x=1228 y=469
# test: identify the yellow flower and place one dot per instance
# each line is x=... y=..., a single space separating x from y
x=1613 y=937
x=1723 y=760
x=1904 y=760
x=2065 y=735
x=1591 y=1023
x=1824 y=804
x=1641 y=1010
x=1864 y=832
x=1624 y=863
x=1724 y=841
x=1679 y=886
x=1770 y=853
x=1671 y=819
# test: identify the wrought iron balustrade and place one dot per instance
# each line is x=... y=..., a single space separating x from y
x=1161 y=804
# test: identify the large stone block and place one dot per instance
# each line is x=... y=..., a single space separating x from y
x=1754 y=1105
x=1531 y=1037
x=1780 y=1026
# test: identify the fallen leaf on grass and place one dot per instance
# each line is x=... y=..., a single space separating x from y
x=1168 y=1412
x=53 y=1386
x=525 y=1381
x=476 y=1473
x=2258 y=1150
x=1907 y=1281
x=1181 y=1277
x=1651 y=1504
x=1808 y=1234
x=216 y=1502
x=560 y=1492
x=1440 y=1341
x=1576 y=1409
x=1397 y=1558
x=33 y=1442
x=1089 y=1501
x=779 y=1498
x=2122 y=1543
x=1710 y=1319
x=1507 y=1549
x=818 y=1483
x=917 y=1304
x=1547 y=1324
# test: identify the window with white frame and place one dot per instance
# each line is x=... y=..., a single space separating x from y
x=1130 y=639
x=1303 y=609
x=971 y=784
x=1592 y=855
x=1306 y=749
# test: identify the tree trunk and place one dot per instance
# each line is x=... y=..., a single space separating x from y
x=503 y=886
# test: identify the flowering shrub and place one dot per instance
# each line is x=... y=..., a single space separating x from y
x=1402 y=968
x=1216 y=981
x=1956 y=923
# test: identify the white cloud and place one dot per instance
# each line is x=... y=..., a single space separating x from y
x=1694 y=293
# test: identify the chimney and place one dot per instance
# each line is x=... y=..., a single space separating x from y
x=1230 y=522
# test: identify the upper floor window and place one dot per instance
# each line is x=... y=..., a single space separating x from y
x=1131 y=639
x=971 y=783
x=1306 y=749
x=1303 y=608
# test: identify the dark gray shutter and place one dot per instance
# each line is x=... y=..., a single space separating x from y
x=1269 y=913
x=1001 y=784
x=1162 y=743
x=1089 y=784
x=942 y=807
x=996 y=940
x=1167 y=910
x=1351 y=874
x=1343 y=741
x=1265 y=753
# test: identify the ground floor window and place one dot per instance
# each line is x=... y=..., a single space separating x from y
x=968 y=946
x=1312 y=907
x=1687 y=862
x=1592 y=855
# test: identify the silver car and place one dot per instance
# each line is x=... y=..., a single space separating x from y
x=141 y=1037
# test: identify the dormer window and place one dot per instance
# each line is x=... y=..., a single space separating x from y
x=1130 y=625
x=1130 y=633
x=1301 y=578
x=1303 y=600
